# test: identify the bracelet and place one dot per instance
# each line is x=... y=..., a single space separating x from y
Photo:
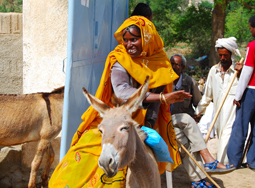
x=160 y=98
x=164 y=99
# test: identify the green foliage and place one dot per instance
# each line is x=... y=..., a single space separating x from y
x=178 y=23
x=237 y=21
x=207 y=4
x=197 y=72
x=11 y=6
x=165 y=13
x=237 y=24
x=194 y=28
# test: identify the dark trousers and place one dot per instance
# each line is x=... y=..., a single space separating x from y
x=244 y=115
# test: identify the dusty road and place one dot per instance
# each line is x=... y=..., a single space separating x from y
x=244 y=177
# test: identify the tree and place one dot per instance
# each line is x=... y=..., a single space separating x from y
x=11 y=6
x=236 y=24
x=194 y=27
x=218 y=23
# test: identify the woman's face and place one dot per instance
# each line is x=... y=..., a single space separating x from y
x=132 y=41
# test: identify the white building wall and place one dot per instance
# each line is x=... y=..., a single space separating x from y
x=44 y=44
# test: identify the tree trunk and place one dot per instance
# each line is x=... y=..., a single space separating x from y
x=218 y=25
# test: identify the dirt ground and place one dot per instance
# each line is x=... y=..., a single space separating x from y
x=244 y=177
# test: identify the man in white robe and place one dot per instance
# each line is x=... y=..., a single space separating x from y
x=218 y=81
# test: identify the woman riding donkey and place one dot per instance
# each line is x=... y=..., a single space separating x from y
x=139 y=54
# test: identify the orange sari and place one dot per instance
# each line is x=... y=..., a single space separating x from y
x=79 y=167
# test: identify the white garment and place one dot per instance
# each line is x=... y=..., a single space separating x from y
x=243 y=81
x=206 y=120
x=215 y=90
x=178 y=85
x=230 y=44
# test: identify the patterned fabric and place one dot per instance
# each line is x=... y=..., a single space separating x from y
x=79 y=167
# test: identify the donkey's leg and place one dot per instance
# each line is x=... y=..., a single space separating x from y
x=50 y=159
x=42 y=145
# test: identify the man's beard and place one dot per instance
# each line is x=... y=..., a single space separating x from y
x=224 y=63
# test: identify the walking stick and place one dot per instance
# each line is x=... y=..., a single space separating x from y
x=245 y=151
x=207 y=175
x=222 y=102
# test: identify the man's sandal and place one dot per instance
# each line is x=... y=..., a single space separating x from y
x=212 y=167
x=202 y=184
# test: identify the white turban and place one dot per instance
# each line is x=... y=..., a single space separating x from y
x=230 y=44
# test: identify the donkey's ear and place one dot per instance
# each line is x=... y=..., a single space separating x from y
x=134 y=100
x=97 y=104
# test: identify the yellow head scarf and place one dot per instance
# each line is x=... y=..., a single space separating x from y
x=154 y=62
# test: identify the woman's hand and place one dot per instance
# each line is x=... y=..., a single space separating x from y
x=177 y=96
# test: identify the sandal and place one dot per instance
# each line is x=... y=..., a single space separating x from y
x=245 y=165
x=202 y=184
x=212 y=167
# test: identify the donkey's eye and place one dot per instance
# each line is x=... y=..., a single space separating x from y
x=124 y=128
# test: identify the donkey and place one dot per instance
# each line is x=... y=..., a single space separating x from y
x=123 y=142
x=32 y=117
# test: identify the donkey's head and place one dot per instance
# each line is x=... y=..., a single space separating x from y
x=118 y=130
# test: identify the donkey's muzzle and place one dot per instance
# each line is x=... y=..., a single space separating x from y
x=108 y=160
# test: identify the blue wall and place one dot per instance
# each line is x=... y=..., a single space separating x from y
x=91 y=25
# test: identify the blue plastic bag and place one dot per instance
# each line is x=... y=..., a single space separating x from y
x=156 y=142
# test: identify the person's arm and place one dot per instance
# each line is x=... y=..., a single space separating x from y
x=121 y=82
x=246 y=75
x=238 y=68
x=122 y=88
x=196 y=94
x=173 y=97
x=243 y=81
x=207 y=97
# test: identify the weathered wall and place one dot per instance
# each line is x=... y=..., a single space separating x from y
x=44 y=44
x=44 y=47
x=11 y=60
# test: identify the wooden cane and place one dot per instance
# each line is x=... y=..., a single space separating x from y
x=221 y=104
x=207 y=175
x=245 y=151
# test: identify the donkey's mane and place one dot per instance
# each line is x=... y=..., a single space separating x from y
x=141 y=133
x=55 y=91
x=116 y=101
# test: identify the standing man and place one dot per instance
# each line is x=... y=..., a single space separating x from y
x=245 y=113
x=217 y=83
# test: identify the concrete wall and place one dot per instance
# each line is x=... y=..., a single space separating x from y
x=44 y=44
x=44 y=47
x=11 y=68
